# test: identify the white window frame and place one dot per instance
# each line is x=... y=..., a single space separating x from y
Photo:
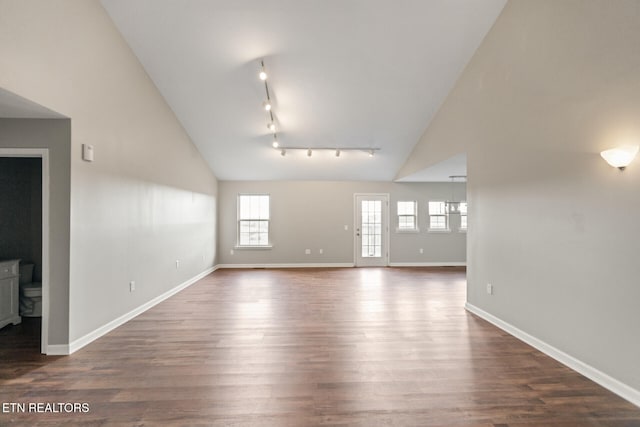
x=442 y=213
x=239 y=245
x=415 y=228
x=465 y=215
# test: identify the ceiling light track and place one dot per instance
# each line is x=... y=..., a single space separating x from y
x=271 y=125
x=268 y=105
x=337 y=150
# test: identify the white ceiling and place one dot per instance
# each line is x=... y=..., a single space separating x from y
x=349 y=73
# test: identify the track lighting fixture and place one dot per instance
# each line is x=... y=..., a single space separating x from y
x=271 y=125
x=268 y=106
x=337 y=151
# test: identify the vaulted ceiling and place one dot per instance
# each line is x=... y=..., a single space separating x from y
x=350 y=74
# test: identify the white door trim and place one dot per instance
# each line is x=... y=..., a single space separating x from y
x=385 y=231
x=42 y=153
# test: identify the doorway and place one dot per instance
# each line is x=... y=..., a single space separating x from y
x=371 y=230
x=32 y=243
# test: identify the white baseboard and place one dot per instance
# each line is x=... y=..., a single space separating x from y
x=428 y=264
x=606 y=381
x=300 y=265
x=58 y=350
x=342 y=264
x=97 y=333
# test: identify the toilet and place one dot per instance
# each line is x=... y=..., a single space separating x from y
x=30 y=293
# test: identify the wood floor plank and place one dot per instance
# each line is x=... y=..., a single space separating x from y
x=304 y=347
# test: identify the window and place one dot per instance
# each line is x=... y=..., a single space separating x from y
x=253 y=220
x=438 y=217
x=407 y=215
x=463 y=216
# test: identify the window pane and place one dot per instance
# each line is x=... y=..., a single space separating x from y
x=406 y=222
x=463 y=222
x=254 y=206
x=253 y=216
x=463 y=208
x=244 y=207
x=406 y=208
x=402 y=208
x=263 y=202
x=371 y=218
x=437 y=222
x=436 y=208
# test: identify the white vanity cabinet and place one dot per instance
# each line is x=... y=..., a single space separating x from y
x=9 y=292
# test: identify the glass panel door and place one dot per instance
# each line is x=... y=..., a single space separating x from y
x=371 y=230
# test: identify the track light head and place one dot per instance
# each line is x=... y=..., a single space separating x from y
x=337 y=153
x=309 y=152
x=271 y=126
x=262 y=75
x=283 y=153
x=275 y=143
x=371 y=153
x=267 y=105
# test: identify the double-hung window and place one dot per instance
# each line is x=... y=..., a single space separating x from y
x=253 y=220
x=463 y=216
x=407 y=216
x=438 y=217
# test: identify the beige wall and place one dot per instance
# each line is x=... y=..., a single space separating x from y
x=552 y=226
x=148 y=199
x=313 y=214
x=53 y=135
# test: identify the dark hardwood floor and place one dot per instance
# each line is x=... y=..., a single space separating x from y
x=330 y=347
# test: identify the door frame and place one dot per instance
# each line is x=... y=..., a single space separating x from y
x=42 y=153
x=385 y=231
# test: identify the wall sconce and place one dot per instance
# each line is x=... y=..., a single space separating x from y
x=620 y=157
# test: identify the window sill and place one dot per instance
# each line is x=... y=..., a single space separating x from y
x=253 y=248
x=439 y=231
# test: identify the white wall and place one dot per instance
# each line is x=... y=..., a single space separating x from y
x=312 y=215
x=148 y=199
x=551 y=225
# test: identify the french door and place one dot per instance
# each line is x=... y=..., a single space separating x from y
x=371 y=230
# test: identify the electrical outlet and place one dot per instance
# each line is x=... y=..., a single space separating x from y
x=231 y=251
x=489 y=288
x=132 y=286
x=346 y=228
x=320 y=251
x=421 y=250
x=307 y=251
x=177 y=264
